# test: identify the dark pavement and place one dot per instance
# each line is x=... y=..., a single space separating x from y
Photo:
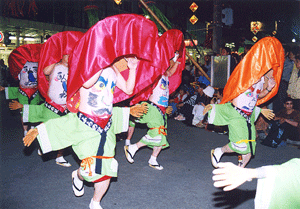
x=31 y=182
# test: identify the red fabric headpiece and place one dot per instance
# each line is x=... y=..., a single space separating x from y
x=170 y=42
x=52 y=52
x=266 y=54
x=19 y=56
x=107 y=40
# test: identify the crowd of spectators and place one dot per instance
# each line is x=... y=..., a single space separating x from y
x=189 y=101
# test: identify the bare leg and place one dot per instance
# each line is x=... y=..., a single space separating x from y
x=140 y=144
x=100 y=189
x=156 y=151
x=25 y=128
x=153 y=158
x=129 y=135
x=246 y=159
x=226 y=149
x=79 y=175
x=59 y=153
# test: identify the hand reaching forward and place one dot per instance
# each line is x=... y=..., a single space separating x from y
x=14 y=105
x=2 y=88
x=169 y=110
x=231 y=176
x=207 y=108
x=138 y=110
x=30 y=137
x=268 y=113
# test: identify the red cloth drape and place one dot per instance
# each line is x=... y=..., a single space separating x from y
x=167 y=44
x=266 y=54
x=19 y=56
x=52 y=52
x=108 y=40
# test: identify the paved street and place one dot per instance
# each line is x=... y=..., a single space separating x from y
x=31 y=182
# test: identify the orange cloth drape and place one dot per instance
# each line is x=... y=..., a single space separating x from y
x=266 y=54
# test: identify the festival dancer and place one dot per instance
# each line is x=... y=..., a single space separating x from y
x=254 y=81
x=23 y=66
x=91 y=126
x=52 y=82
x=156 y=118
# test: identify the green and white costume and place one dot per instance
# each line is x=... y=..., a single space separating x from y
x=226 y=114
x=155 y=118
x=17 y=93
x=39 y=113
x=157 y=123
x=85 y=139
x=280 y=188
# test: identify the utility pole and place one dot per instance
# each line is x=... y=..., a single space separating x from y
x=217 y=26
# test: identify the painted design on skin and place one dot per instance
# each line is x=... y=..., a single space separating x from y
x=164 y=84
x=163 y=101
x=31 y=75
x=96 y=98
x=92 y=100
x=113 y=86
x=61 y=77
x=100 y=84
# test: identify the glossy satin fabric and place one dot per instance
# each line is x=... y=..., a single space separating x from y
x=52 y=52
x=167 y=44
x=19 y=56
x=108 y=40
x=266 y=54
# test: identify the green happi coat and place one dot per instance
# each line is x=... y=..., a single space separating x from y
x=68 y=130
x=14 y=93
x=155 y=135
x=280 y=189
x=225 y=114
x=38 y=113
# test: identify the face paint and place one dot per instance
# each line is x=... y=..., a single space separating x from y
x=100 y=97
x=58 y=84
x=28 y=75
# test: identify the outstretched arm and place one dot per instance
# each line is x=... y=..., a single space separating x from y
x=231 y=176
x=2 y=88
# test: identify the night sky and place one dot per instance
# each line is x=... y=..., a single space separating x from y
x=67 y=12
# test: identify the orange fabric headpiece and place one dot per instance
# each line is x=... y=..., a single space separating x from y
x=265 y=55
